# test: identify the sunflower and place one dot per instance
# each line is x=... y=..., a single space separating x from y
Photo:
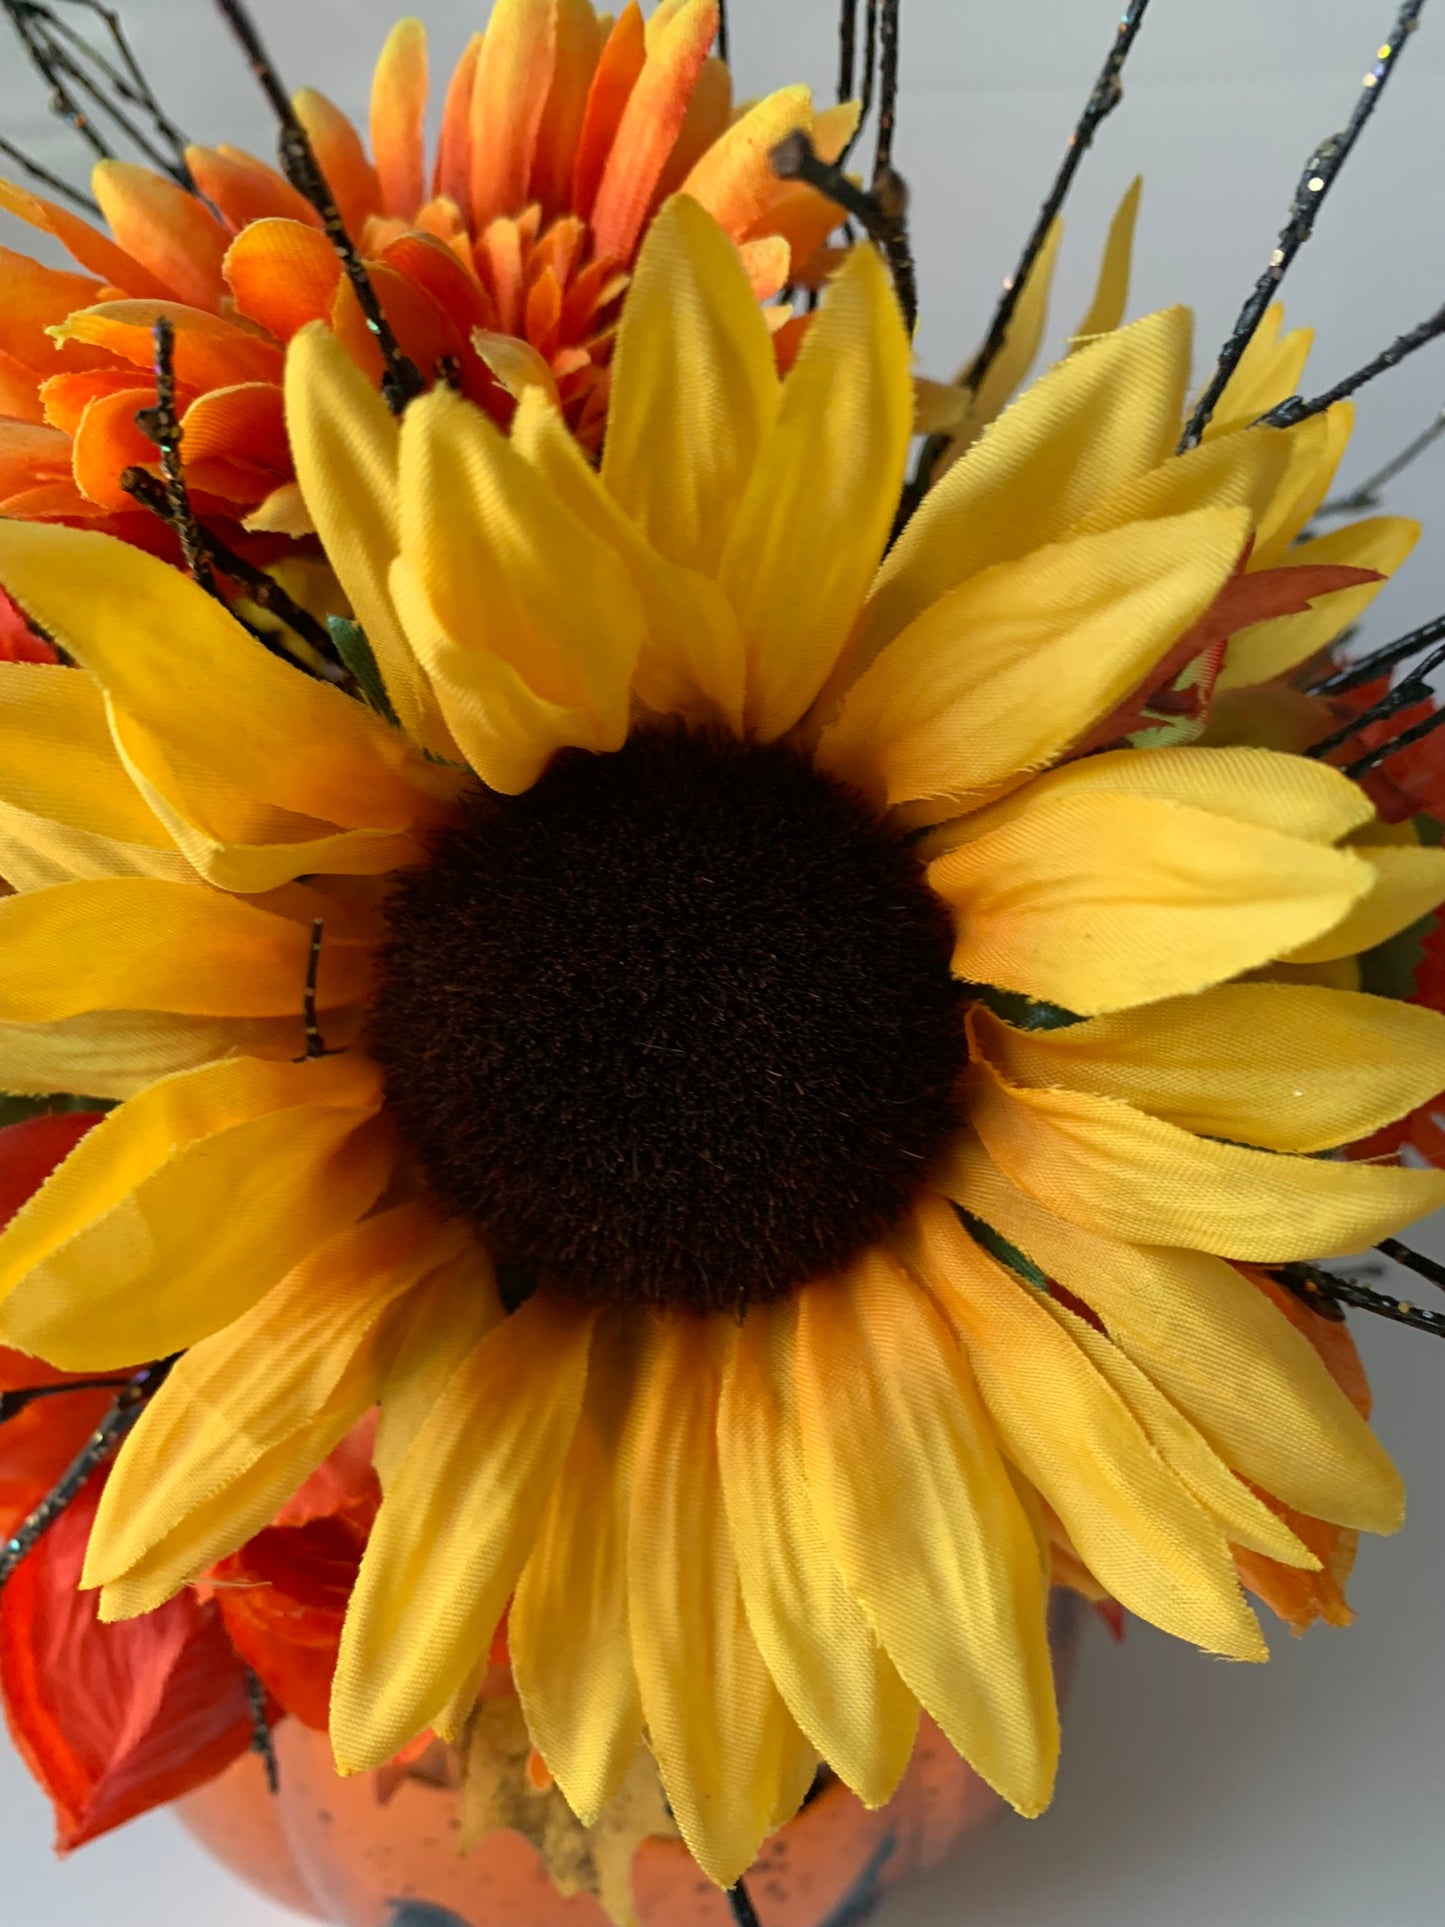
x=771 y=1133
x=506 y=258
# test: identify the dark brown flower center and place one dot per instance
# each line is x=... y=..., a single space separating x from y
x=676 y=1026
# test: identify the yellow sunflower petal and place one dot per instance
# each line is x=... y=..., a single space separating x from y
x=839 y=1684
x=1098 y=902
x=1256 y=1388
x=812 y=524
x=716 y=1722
x=138 y=943
x=443 y=1322
x=1017 y=356
x=67 y=807
x=1406 y=883
x=233 y=1431
x=692 y=661
x=1004 y=673
x=1111 y=290
x=345 y=444
x=455 y=1528
x=1104 y=415
x=694 y=389
x=568 y=1627
x=1237 y=471
x=916 y=1505
x=1115 y=1170
x=117 y=1053
x=1135 y=1526
x=181 y=1209
x=1315 y=448
x=1269 y=372
x=1286 y=1067
x=506 y=572
x=162 y=648
x=1270 y=649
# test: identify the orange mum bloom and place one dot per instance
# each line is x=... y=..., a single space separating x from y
x=504 y=262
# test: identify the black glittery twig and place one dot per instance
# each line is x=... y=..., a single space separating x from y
x=1414 y=688
x=46 y=179
x=1322 y=170
x=262 y=1740
x=315 y=1042
x=847 y=47
x=1354 y=675
x=1416 y=1261
x=12 y=1404
x=103 y=1442
x=1325 y=1292
x=740 y=1903
x=847 y=38
x=1368 y=494
x=883 y=213
x=1405 y=740
x=1297 y=409
x=888 y=56
x=722 y=31
x=402 y=381
x=262 y=589
x=161 y=425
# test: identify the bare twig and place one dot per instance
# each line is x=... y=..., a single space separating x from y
x=1356 y=674
x=1369 y=493
x=1382 y=753
x=262 y=1740
x=1321 y=171
x=885 y=221
x=47 y=179
x=1326 y=1291
x=741 y=1907
x=722 y=31
x=161 y=425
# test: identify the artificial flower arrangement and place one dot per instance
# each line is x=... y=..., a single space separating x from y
x=669 y=1061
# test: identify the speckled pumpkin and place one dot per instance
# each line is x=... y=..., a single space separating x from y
x=385 y=1849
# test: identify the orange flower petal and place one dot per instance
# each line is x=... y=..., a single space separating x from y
x=82 y=242
x=107 y=441
x=66 y=397
x=621 y=62
x=32 y=299
x=19 y=398
x=246 y=423
x=431 y=265
x=709 y=114
x=579 y=47
x=735 y=180
x=50 y=501
x=651 y=123
x=500 y=265
x=423 y=331
x=282 y=275
x=514 y=78
x=167 y=230
x=398 y=119
x=453 y=176
x=31 y=453
x=245 y=189
x=210 y=352
x=768 y=263
x=341 y=157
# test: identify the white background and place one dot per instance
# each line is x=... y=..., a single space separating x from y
x=1193 y=1793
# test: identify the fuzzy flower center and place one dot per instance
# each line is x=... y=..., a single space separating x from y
x=676 y=1026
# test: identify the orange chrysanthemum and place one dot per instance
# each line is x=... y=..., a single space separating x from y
x=561 y=134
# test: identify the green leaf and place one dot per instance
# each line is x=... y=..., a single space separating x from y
x=356 y=654
x=1390 y=969
x=997 y=1246
x=1024 y=1013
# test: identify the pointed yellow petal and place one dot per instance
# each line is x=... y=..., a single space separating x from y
x=717 y=1724
x=1135 y=1526
x=1270 y=649
x=1112 y=1169
x=345 y=441
x=1407 y=883
x=1286 y=1067
x=839 y=1684
x=1098 y=902
x=444 y=1321
x=1315 y=447
x=692 y=661
x=455 y=1529
x=1215 y=1345
x=1017 y=356
x=694 y=389
x=917 y=1508
x=1269 y=372
x=821 y=499
x=117 y=1053
x=1002 y=675
x=233 y=1430
x=1111 y=291
x=137 y=943
x=1104 y=415
x=568 y=1627
x=506 y=573
x=1237 y=471
x=181 y=1209
x=162 y=649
